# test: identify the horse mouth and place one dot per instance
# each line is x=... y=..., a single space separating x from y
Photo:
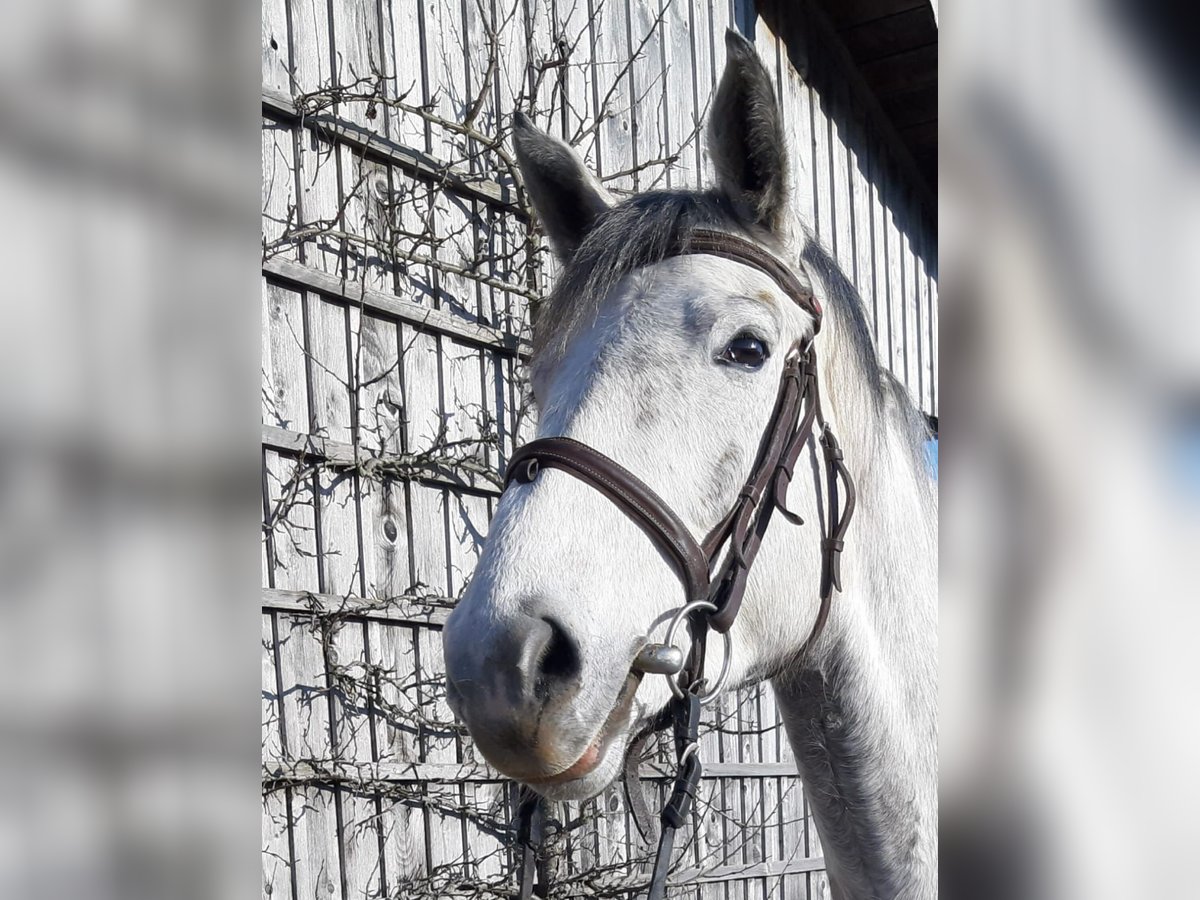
x=598 y=749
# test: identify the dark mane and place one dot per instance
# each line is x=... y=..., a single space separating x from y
x=842 y=294
x=641 y=231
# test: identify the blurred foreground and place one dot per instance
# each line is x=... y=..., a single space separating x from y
x=129 y=499
x=1070 y=521
x=129 y=494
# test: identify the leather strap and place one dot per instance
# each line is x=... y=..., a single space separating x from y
x=752 y=514
x=631 y=495
x=686 y=721
x=705 y=241
x=529 y=838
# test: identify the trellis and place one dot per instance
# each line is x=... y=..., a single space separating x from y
x=398 y=267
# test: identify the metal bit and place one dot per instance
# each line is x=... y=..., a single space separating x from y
x=659 y=659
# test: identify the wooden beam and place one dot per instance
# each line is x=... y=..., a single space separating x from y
x=278 y=105
x=890 y=34
x=913 y=107
x=409 y=311
x=404 y=611
x=338 y=453
x=907 y=70
x=848 y=13
x=385 y=773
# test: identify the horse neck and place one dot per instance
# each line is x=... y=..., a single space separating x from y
x=861 y=710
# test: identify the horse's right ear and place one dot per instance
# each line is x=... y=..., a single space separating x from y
x=565 y=195
x=745 y=137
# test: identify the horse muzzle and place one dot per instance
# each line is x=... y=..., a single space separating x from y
x=521 y=691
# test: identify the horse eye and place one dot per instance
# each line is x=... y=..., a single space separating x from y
x=746 y=350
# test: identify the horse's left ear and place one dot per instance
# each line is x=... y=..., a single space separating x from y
x=745 y=137
x=565 y=195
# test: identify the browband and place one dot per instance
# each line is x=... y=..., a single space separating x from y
x=705 y=241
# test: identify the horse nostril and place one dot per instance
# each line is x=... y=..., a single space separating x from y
x=559 y=661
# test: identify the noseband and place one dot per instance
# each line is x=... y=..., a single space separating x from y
x=714 y=583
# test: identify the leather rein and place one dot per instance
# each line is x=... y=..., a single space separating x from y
x=714 y=585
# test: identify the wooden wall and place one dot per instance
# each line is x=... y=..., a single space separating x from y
x=398 y=265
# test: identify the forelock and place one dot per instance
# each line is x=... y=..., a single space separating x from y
x=641 y=231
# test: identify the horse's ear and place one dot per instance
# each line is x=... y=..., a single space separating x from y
x=745 y=137
x=565 y=195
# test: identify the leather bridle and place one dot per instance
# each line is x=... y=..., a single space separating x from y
x=713 y=584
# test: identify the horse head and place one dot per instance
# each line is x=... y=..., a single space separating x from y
x=671 y=366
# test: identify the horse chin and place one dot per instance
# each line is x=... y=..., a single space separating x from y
x=591 y=783
x=600 y=764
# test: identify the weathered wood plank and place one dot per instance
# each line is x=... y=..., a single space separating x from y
x=924 y=313
x=446 y=71
x=278 y=187
x=878 y=308
x=933 y=340
x=354 y=739
x=370 y=249
x=468 y=525
x=285 y=386
x=276 y=845
x=276 y=50
x=314 y=449
x=290 y=522
x=614 y=87
x=843 y=208
x=542 y=81
x=916 y=345
x=328 y=364
x=702 y=86
x=860 y=192
x=379 y=396
x=401 y=308
x=392 y=649
x=575 y=75
x=320 y=224
x=310 y=45
x=338 y=503
x=894 y=350
x=417 y=607
x=909 y=287
x=456 y=221
x=421 y=359
x=797 y=121
x=823 y=212
x=358 y=61
x=680 y=132
x=305 y=704
x=413 y=159
x=406 y=84
x=650 y=112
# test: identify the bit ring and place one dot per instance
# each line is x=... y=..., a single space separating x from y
x=684 y=611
